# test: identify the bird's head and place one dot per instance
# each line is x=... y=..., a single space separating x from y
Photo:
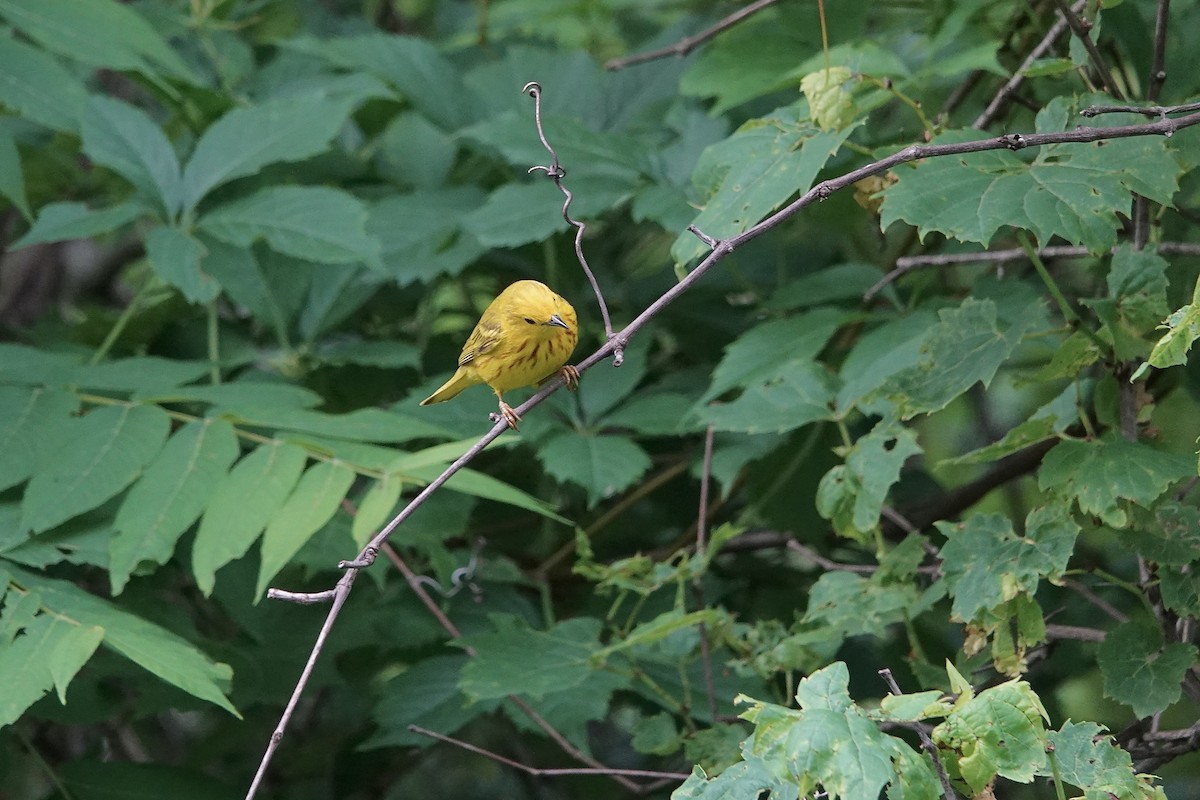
x=532 y=306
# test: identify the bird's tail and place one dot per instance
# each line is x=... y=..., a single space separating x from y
x=461 y=380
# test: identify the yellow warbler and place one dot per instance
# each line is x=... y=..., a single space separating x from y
x=524 y=337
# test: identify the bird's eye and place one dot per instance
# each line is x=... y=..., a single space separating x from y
x=530 y=321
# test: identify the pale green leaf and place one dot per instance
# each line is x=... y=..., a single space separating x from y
x=12 y=176
x=998 y=732
x=28 y=418
x=162 y=653
x=170 y=496
x=316 y=498
x=480 y=484
x=242 y=505
x=1089 y=759
x=375 y=507
x=109 y=449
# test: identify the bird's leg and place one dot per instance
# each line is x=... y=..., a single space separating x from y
x=507 y=413
x=570 y=376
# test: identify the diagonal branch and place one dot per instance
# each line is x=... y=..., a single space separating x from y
x=1080 y=29
x=687 y=45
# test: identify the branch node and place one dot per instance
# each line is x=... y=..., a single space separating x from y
x=618 y=349
x=823 y=190
x=368 y=558
x=704 y=237
x=554 y=172
x=1013 y=141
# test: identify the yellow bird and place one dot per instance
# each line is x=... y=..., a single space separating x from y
x=524 y=337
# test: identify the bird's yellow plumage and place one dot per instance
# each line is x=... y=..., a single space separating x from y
x=524 y=337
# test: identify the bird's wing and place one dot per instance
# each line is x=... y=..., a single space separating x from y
x=485 y=337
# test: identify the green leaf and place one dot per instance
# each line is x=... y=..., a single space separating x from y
x=516 y=214
x=107 y=451
x=966 y=347
x=656 y=735
x=1089 y=759
x=796 y=394
x=603 y=465
x=850 y=605
x=102 y=33
x=519 y=660
x=1052 y=418
x=376 y=506
x=176 y=258
x=425 y=694
x=241 y=276
x=432 y=241
x=28 y=418
x=853 y=497
x=138 y=374
x=242 y=505
x=881 y=353
x=830 y=101
x=1098 y=474
x=156 y=649
x=170 y=496
x=756 y=356
x=38 y=87
x=998 y=732
x=1140 y=670
x=1170 y=534
x=316 y=498
x=986 y=564
x=61 y=222
x=245 y=140
x=46 y=653
x=365 y=424
x=480 y=484
x=124 y=139
x=1183 y=328
x=1070 y=190
x=315 y=223
x=754 y=172
x=12 y=176
x=240 y=395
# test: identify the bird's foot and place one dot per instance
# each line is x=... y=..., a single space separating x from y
x=507 y=414
x=570 y=376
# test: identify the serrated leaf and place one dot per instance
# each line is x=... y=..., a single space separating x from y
x=61 y=222
x=998 y=732
x=247 y=139
x=1074 y=191
x=102 y=33
x=519 y=660
x=432 y=240
x=1089 y=759
x=756 y=355
x=850 y=605
x=315 y=223
x=242 y=505
x=1170 y=534
x=124 y=139
x=27 y=419
x=108 y=450
x=1098 y=474
x=156 y=649
x=425 y=694
x=1052 y=418
x=853 y=497
x=966 y=347
x=316 y=498
x=170 y=496
x=38 y=87
x=603 y=465
x=754 y=172
x=986 y=564
x=176 y=257
x=796 y=394
x=1140 y=669
x=1183 y=328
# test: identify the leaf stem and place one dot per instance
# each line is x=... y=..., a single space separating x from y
x=214 y=352
x=1060 y=300
x=1058 y=781
x=119 y=326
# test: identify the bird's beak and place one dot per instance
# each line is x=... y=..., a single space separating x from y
x=555 y=319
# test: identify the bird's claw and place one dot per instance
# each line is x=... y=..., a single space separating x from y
x=508 y=415
x=570 y=376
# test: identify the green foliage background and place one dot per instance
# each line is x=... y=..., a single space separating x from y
x=243 y=238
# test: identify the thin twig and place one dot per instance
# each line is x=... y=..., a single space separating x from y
x=556 y=173
x=305 y=598
x=907 y=264
x=1145 y=111
x=947 y=789
x=1099 y=602
x=1098 y=63
x=1158 y=66
x=698 y=584
x=1013 y=83
x=543 y=771
x=1075 y=633
x=690 y=43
